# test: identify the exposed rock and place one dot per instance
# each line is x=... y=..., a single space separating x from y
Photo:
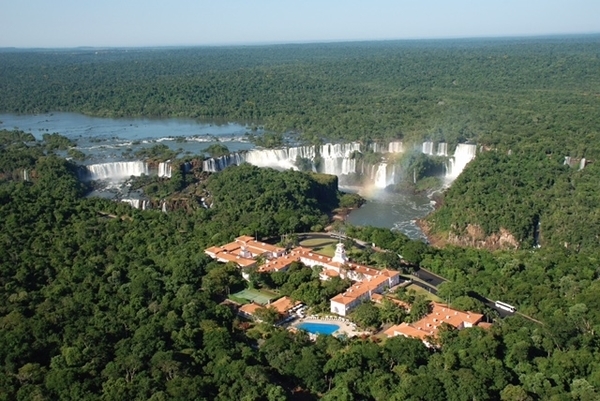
x=474 y=236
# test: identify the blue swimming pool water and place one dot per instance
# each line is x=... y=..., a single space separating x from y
x=319 y=328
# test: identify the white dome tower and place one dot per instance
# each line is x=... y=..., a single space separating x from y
x=340 y=254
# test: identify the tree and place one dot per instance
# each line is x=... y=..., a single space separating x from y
x=413 y=252
x=420 y=307
x=220 y=279
x=390 y=312
x=387 y=259
x=216 y=150
x=366 y=315
x=268 y=315
x=514 y=393
x=409 y=352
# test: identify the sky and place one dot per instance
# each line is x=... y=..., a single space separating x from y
x=132 y=23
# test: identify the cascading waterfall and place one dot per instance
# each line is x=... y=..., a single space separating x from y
x=135 y=203
x=335 y=158
x=164 y=169
x=381 y=176
x=164 y=207
x=395 y=147
x=378 y=147
x=25 y=175
x=142 y=204
x=115 y=171
x=338 y=150
x=220 y=163
x=338 y=166
x=392 y=147
x=279 y=158
x=442 y=149
x=428 y=148
x=463 y=154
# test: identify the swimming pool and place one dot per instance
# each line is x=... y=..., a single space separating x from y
x=319 y=328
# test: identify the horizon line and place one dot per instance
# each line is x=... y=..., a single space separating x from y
x=305 y=42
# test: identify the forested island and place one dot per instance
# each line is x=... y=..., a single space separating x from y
x=102 y=301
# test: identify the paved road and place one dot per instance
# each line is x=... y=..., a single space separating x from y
x=429 y=277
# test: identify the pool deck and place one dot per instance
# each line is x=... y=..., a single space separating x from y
x=347 y=328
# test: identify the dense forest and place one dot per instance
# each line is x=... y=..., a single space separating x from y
x=102 y=301
x=532 y=98
x=535 y=196
x=497 y=92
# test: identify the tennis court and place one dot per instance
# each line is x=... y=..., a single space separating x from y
x=259 y=297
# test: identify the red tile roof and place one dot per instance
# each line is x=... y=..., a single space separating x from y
x=429 y=325
x=284 y=304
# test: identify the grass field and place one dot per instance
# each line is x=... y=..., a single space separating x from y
x=423 y=291
x=258 y=296
x=324 y=246
x=318 y=242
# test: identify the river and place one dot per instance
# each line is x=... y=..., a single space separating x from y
x=109 y=139
x=105 y=139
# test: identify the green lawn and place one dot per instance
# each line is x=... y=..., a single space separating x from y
x=328 y=250
x=422 y=291
x=318 y=242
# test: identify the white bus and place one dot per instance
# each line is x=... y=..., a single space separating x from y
x=505 y=306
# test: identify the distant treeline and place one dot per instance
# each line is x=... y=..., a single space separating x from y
x=496 y=92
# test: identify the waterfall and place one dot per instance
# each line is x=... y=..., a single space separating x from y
x=392 y=147
x=335 y=158
x=164 y=207
x=428 y=148
x=135 y=203
x=338 y=150
x=221 y=163
x=582 y=163
x=282 y=159
x=395 y=147
x=463 y=154
x=381 y=176
x=442 y=149
x=115 y=171
x=25 y=175
x=164 y=169
x=377 y=148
